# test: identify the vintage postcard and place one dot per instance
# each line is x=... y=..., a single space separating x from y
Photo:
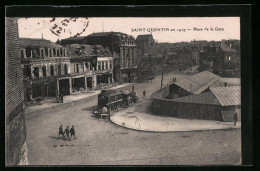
x=123 y=91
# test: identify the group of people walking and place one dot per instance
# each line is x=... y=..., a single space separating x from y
x=69 y=132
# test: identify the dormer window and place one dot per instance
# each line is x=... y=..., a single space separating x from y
x=46 y=52
x=41 y=53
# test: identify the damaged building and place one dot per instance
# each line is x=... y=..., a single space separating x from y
x=90 y=66
x=123 y=49
x=42 y=62
x=50 y=69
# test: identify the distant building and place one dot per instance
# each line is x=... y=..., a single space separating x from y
x=227 y=63
x=144 y=44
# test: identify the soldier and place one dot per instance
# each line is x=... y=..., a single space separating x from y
x=72 y=132
x=61 y=131
x=67 y=131
x=144 y=92
x=235 y=119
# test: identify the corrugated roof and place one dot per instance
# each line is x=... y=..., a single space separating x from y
x=76 y=50
x=227 y=96
x=203 y=98
x=199 y=82
x=28 y=42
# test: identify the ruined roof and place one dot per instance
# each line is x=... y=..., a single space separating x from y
x=203 y=98
x=199 y=82
x=106 y=34
x=227 y=96
x=39 y=43
x=74 y=38
x=80 y=50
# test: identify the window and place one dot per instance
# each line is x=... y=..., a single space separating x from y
x=86 y=65
x=52 y=70
x=58 y=52
x=102 y=65
x=50 y=53
x=46 y=53
x=110 y=65
x=106 y=65
x=28 y=52
x=53 y=52
x=59 y=69
x=41 y=53
x=36 y=72
x=99 y=67
x=27 y=71
x=77 y=68
x=61 y=52
x=44 y=71
x=65 y=69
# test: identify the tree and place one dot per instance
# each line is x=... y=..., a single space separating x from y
x=145 y=69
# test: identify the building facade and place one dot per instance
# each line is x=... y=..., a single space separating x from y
x=16 y=150
x=227 y=63
x=42 y=62
x=123 y=49
x=145 y=44
x=50 y=69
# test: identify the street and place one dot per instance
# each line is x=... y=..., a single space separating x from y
x=100 y=142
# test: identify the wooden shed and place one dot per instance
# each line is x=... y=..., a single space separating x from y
x=220 y=103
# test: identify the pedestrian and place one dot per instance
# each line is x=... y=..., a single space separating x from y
x=144 y=92
x=72 y=132
x=61 y=98
x=67 y=131
x=61 y=131
x=235 y=119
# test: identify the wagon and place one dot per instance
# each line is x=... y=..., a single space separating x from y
x=102 y=112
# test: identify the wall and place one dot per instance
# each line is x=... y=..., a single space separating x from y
x=186 y=110
x=16 y=150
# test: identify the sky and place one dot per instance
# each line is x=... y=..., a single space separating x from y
x=166 y=29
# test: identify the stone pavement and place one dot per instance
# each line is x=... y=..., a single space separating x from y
x=139 y=117
x=50 y=103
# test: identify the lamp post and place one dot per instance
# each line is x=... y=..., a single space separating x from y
x=163 y=64
x=120 y=79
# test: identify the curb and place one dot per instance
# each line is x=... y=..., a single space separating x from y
x=141 y=130
x=218 y=129
x=62 y=106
